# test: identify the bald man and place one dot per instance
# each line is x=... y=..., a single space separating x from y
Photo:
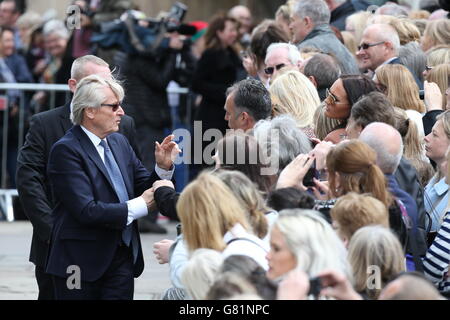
x=380 y=44
x=410 y=286
x=244 y=16
x=387 y=143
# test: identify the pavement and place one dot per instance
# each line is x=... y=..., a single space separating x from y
x=17 y=281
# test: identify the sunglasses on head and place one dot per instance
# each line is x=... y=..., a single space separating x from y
x=270 y=70
x=365 y=46
x=428 y=68
x=114 y=106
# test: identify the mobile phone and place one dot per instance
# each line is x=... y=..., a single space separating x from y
x=310 y=175
x=179 y=231
x=315 y=286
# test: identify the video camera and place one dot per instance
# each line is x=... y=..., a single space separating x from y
x=172 y=22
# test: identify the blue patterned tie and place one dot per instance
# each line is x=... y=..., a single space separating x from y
x=119 y=186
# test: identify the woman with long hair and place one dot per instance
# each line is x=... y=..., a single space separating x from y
x=297 y=96
x=218 y=68
x=436 y=191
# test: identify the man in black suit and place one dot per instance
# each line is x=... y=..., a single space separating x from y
x=100 y=189
x=32 y=182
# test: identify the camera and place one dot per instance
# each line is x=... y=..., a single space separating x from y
x=315 y=286
x=308 y=180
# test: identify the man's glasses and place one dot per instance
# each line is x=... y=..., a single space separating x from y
x=331 y=98
x=114 y=106
x=270 y=70
x=365 y=46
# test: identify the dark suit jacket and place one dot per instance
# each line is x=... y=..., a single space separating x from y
x=88 y=216
x=32 y=183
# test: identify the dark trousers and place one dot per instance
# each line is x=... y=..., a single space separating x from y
x=116 y=284
x=45 y=284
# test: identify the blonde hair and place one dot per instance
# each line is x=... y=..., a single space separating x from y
x=406 y=29
x=439 y=75
x=297 y=96
x=418 y=14
x=350 y=42
x=207 y=210
x=312 y=241
x=355 y=162
x=354 y=211
x=249 y=197
x=201 y=271
x=89 y=93
x=438 y=55
x=359 y=21
x=401 y=88
x=438 y=31
x=375 y=246
x=323 y=125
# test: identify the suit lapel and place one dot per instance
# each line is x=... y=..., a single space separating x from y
x=119 y=156
x=91 y=151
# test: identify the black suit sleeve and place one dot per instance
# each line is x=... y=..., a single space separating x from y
x=166 y=199
x=429 y=119
x=31 y=181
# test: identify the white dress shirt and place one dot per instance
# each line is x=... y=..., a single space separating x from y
x=137 y=208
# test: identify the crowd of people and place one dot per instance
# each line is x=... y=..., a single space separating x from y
x=330 y=178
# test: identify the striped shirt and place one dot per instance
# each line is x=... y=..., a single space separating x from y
x=437 y=259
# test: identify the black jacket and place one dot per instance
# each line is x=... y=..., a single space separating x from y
x=145 y=85
x=32 y=182
x=216 y=70
x=408 y=181
x=341 y=13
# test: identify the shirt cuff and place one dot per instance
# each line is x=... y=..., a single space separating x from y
x=164 y=174
x=137 y=208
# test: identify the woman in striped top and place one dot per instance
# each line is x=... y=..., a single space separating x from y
x=437 y=259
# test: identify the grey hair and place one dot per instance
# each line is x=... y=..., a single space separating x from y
x=412 y=57
x=387 y=161
x=201 y=271
x=77 y=71
x=324 y=68
x=89 y=93
x=294 y=55
x=56 y=27
x=386 y=32
x=313 y=242
x=317 y=10
x=290 y=143
x=392 y=9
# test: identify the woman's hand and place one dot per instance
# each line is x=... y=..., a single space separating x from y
x=433 y=96
x=161 y=250
x=321 y=190
x=293 y=174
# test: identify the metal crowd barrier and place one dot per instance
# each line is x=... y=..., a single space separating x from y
x=6 y=195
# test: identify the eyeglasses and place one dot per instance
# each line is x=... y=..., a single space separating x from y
x=428 y=68
x=332 y=97
x=365 y=46
x=114 y=106
x=270 y=70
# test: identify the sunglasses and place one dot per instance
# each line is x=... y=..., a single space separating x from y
x=428 y=68
x=331 y=98
x=270 y=70
x=365 y=46
x=114 y=106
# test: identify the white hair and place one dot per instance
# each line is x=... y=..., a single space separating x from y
x=89 y=93
x=56 y=27
x=313 y=242
x=385 y=32
x=294 y=55
x=201 y=271
x=317 y=10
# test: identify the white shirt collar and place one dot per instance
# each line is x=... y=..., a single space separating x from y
x=95 y=140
